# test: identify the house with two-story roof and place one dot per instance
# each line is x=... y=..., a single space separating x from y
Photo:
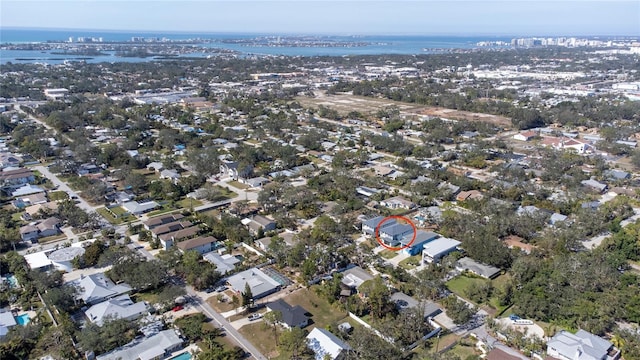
x=435 y=250
x=391 y=235
x=582 y=345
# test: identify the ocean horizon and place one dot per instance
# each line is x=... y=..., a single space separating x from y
x=374 y=44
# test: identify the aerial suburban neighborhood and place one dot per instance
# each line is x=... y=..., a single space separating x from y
x=468 y=204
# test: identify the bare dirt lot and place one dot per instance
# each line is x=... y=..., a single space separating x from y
x=344 y=104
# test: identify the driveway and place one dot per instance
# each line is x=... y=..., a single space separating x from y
x=62 y=186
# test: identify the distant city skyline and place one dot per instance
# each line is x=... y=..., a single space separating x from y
x=453 y=17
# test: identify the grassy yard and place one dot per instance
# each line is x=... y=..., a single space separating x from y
x=460 y=284
x=411 y=263
x=221 y=306
x=188 y=203
x=388 y=254
x=112 y=219
x=226 y=192
x=261 y=336
x=237 y=184
x=322 y=312
x=464 y=351
x=58 y=195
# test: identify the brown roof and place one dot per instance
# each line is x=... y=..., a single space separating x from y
x=180 y=234
x=516 y=241
x=15 y=174
x=164 y=219
x=169 y=227
x=193 y=243
x=497 y=354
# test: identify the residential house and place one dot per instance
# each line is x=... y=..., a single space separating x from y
x=499 y=354
x=366 y=191
x=229 y=168
x=169 y=239
x=292 y=316
x=120 y=307
x=9 y=160
x=25 y=190
x=355 y=276
x=136 y=208
x=85 y=169
x=203 y=244
x=398 y=202
x=47 y=207
x=156 y=346
x=469 y=195
x=391 y=235
x=96 y=288
x=170 y=174
x=155 y=166
x=170 y=227
x=224 y=263
x=256 y=182
x=7 y=321
x=161 y=220
x=421 y=238
x=581 y=346
x=617 y=175
x=404 y=302
x=595 y=185
x=29 y=233
x=28 y=200
x=325 y=345
x=369 y=226
x=525 y=136
x=556 y=218
x=48 y=227
x=260 y=283
x=259 y=222
x=485 y=271
x=13 y=179
x=438 y=248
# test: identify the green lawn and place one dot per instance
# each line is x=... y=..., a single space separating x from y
x=47 y=239
x=460 y=283
x=237 y=184
x=58 y=195
x=411 y=263
x=188 y=203
x=388 y=254
x=112 y=219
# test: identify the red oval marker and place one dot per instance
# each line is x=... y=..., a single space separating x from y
x=377 y=232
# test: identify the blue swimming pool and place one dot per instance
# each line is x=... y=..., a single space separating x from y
x=23 y=319
x=13 y=282
x=183 y=356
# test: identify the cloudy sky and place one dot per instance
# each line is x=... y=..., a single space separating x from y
x=424 y=17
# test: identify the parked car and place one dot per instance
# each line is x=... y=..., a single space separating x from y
x=221 y=288
x=177 y=308
x=255 y=316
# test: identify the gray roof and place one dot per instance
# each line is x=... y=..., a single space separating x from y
x=397 y=229
x=355 y=276
x=223 y=263
x=422 y=237
x=617 y=174
x=404 y=301
x=163 y=219
x=136 y=208
x=587 y=345
x=487 y=271
x=594 y=184
x=7 y=319
x=291 y=315
x=120 y=307
x=374 y=222
x=98 y=287
x=259 y=282
x=144 y=349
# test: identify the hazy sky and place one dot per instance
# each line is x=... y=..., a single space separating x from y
x=451 y=17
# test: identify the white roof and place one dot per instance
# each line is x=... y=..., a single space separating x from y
x=260 y=283
x=37 y=260
x=120 y=307
x=440 y=245
x=324 y=343
x=7 y=320
x=98 y=287
x=156 y=345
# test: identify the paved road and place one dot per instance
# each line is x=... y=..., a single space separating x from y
x=64 y=187
x=231 y=331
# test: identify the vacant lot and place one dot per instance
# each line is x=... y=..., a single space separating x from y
x=344 y=104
